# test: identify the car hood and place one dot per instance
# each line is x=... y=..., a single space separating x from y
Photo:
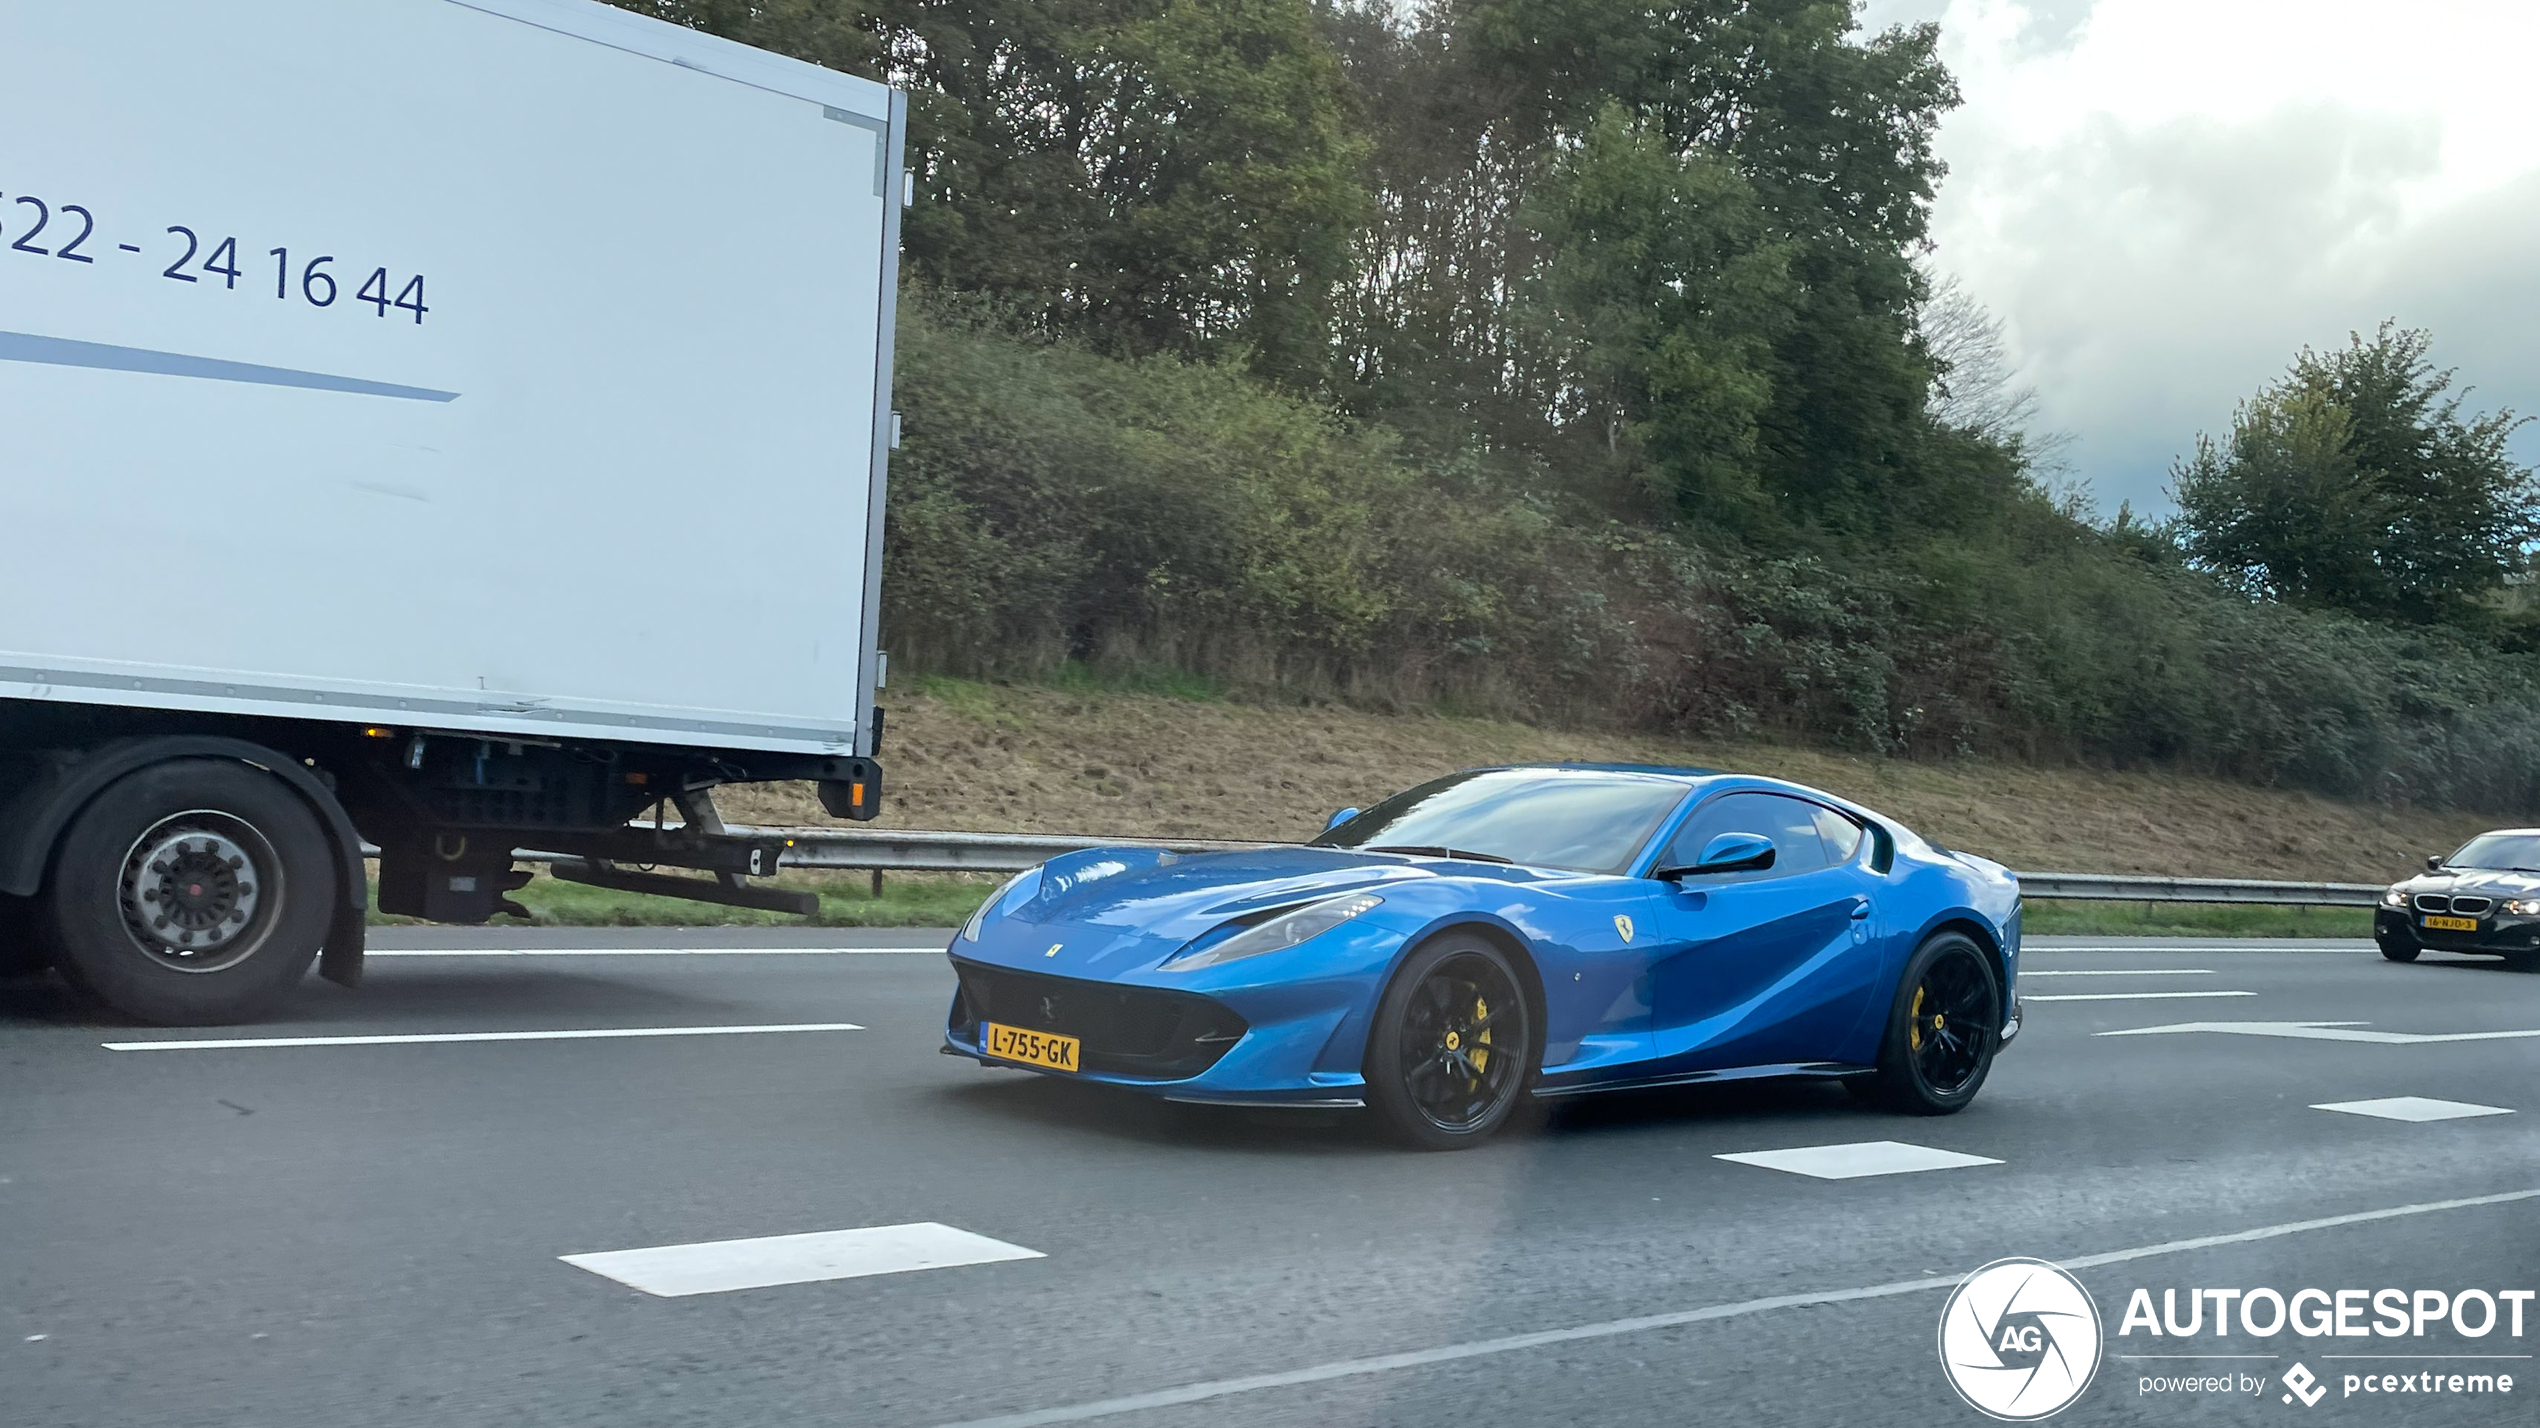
x=2484 y=882
x=1109 y=910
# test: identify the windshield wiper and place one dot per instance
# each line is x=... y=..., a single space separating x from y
x=1435 y=850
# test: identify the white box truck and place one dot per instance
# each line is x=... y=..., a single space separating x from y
x=458 y=425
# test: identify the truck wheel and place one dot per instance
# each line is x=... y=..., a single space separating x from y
x=190 y=893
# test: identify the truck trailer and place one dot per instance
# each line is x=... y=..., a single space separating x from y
x=439 y=427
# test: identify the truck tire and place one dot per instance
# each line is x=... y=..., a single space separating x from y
x=190 y=893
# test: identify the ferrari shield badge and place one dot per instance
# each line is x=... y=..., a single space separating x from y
x=1623 y=925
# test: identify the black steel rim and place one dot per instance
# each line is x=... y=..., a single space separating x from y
x=1952 y=1021
x=1463 y=1039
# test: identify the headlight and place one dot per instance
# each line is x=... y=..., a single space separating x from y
x=2524 y=906
x=1002 y=901
x=1286 y=930
x=2396 y=897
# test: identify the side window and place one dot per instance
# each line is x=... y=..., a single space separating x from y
x=1842 y=835
x=1791 y=824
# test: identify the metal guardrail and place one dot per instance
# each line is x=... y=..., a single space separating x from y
x=2122 y=887
x=897 y=851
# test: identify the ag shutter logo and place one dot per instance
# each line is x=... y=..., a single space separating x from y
x=2019 y=1340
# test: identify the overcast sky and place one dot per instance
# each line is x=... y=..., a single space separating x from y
x=2164 y=199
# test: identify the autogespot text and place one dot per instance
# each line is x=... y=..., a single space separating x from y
x=2444 y=1329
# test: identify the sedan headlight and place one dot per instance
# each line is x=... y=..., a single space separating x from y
x=1286 y=930
x=2523 y=906
x=1004 y=900
x=2396 y=897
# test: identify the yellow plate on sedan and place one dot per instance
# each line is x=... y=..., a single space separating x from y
x=1033 y=1048
x=2452 y=924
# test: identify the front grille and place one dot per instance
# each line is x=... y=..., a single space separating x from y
x=1127 y=1031
x=2472 y=904
x=2433 y=902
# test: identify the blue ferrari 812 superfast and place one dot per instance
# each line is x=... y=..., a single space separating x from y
x=1543 y=930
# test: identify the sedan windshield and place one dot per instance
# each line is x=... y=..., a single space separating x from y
x=1581 y=820
x=2511 y=851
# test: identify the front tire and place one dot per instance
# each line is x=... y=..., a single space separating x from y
x=190 y=893
x=1942 y=1030
x=2398 y=949
x=1451 y=1049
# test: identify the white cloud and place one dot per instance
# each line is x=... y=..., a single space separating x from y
x=2164 y=199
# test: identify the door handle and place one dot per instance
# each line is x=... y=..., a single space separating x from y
x=1861 y=911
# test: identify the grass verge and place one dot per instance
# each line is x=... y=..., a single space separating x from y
x=2045 y=918
x=846 y=900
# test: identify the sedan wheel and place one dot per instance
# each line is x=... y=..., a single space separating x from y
x=1448 y=1055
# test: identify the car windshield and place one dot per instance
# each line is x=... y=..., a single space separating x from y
x=2520 y=851
x=1578 y=819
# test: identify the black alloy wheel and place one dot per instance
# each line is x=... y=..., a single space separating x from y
x=1449 y=1054
x=1943 y=1029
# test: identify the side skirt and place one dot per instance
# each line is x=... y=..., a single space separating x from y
x=1814 y=1069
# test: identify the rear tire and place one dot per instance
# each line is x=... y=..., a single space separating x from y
x=1942 y=1029
x=1452 y=1047
x=190 y=893
x=2398 y=949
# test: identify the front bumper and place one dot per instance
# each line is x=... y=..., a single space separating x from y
x=2010 y=1024
x=1235 y=1046
x=2497 y=932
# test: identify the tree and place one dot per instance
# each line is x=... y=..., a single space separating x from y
x=2357 y=483
x=1662 y=295
x=1150 y=175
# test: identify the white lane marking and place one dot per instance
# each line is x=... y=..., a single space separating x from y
x=2414 y=1108
x=416 y=1039
x=1851 y=1162
x=935 y=947
x=1611 y=1328
x=719 y=1266
x=2316 y=1031
x=2117 y=971
x=2127 y=996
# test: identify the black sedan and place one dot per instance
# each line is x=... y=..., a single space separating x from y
x=2483 y=898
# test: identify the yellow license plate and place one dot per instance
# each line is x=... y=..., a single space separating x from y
x=1032 y=1048
x=2452 y=924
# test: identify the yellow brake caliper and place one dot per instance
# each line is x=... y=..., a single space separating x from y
x=1480 y=1053
x=1918 y=1019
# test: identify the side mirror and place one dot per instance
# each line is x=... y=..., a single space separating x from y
x=1728 y=853
x=2434 y=862
x=1337 y=819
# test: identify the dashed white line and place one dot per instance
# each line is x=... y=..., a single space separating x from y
x=1862 y=1158
x=933 y=947
x=719 y=1266
x=2317 y=1031
x=2414 y=1108
x=1611 y=1328
x=2127 y=996
x=2026 y=973
x=421 y=1038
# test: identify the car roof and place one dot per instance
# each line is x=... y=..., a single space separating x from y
x=1685 y=772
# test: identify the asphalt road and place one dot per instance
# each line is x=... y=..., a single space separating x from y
x=370 y=1233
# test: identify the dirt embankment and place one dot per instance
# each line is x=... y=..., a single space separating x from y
x=1025 y=759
